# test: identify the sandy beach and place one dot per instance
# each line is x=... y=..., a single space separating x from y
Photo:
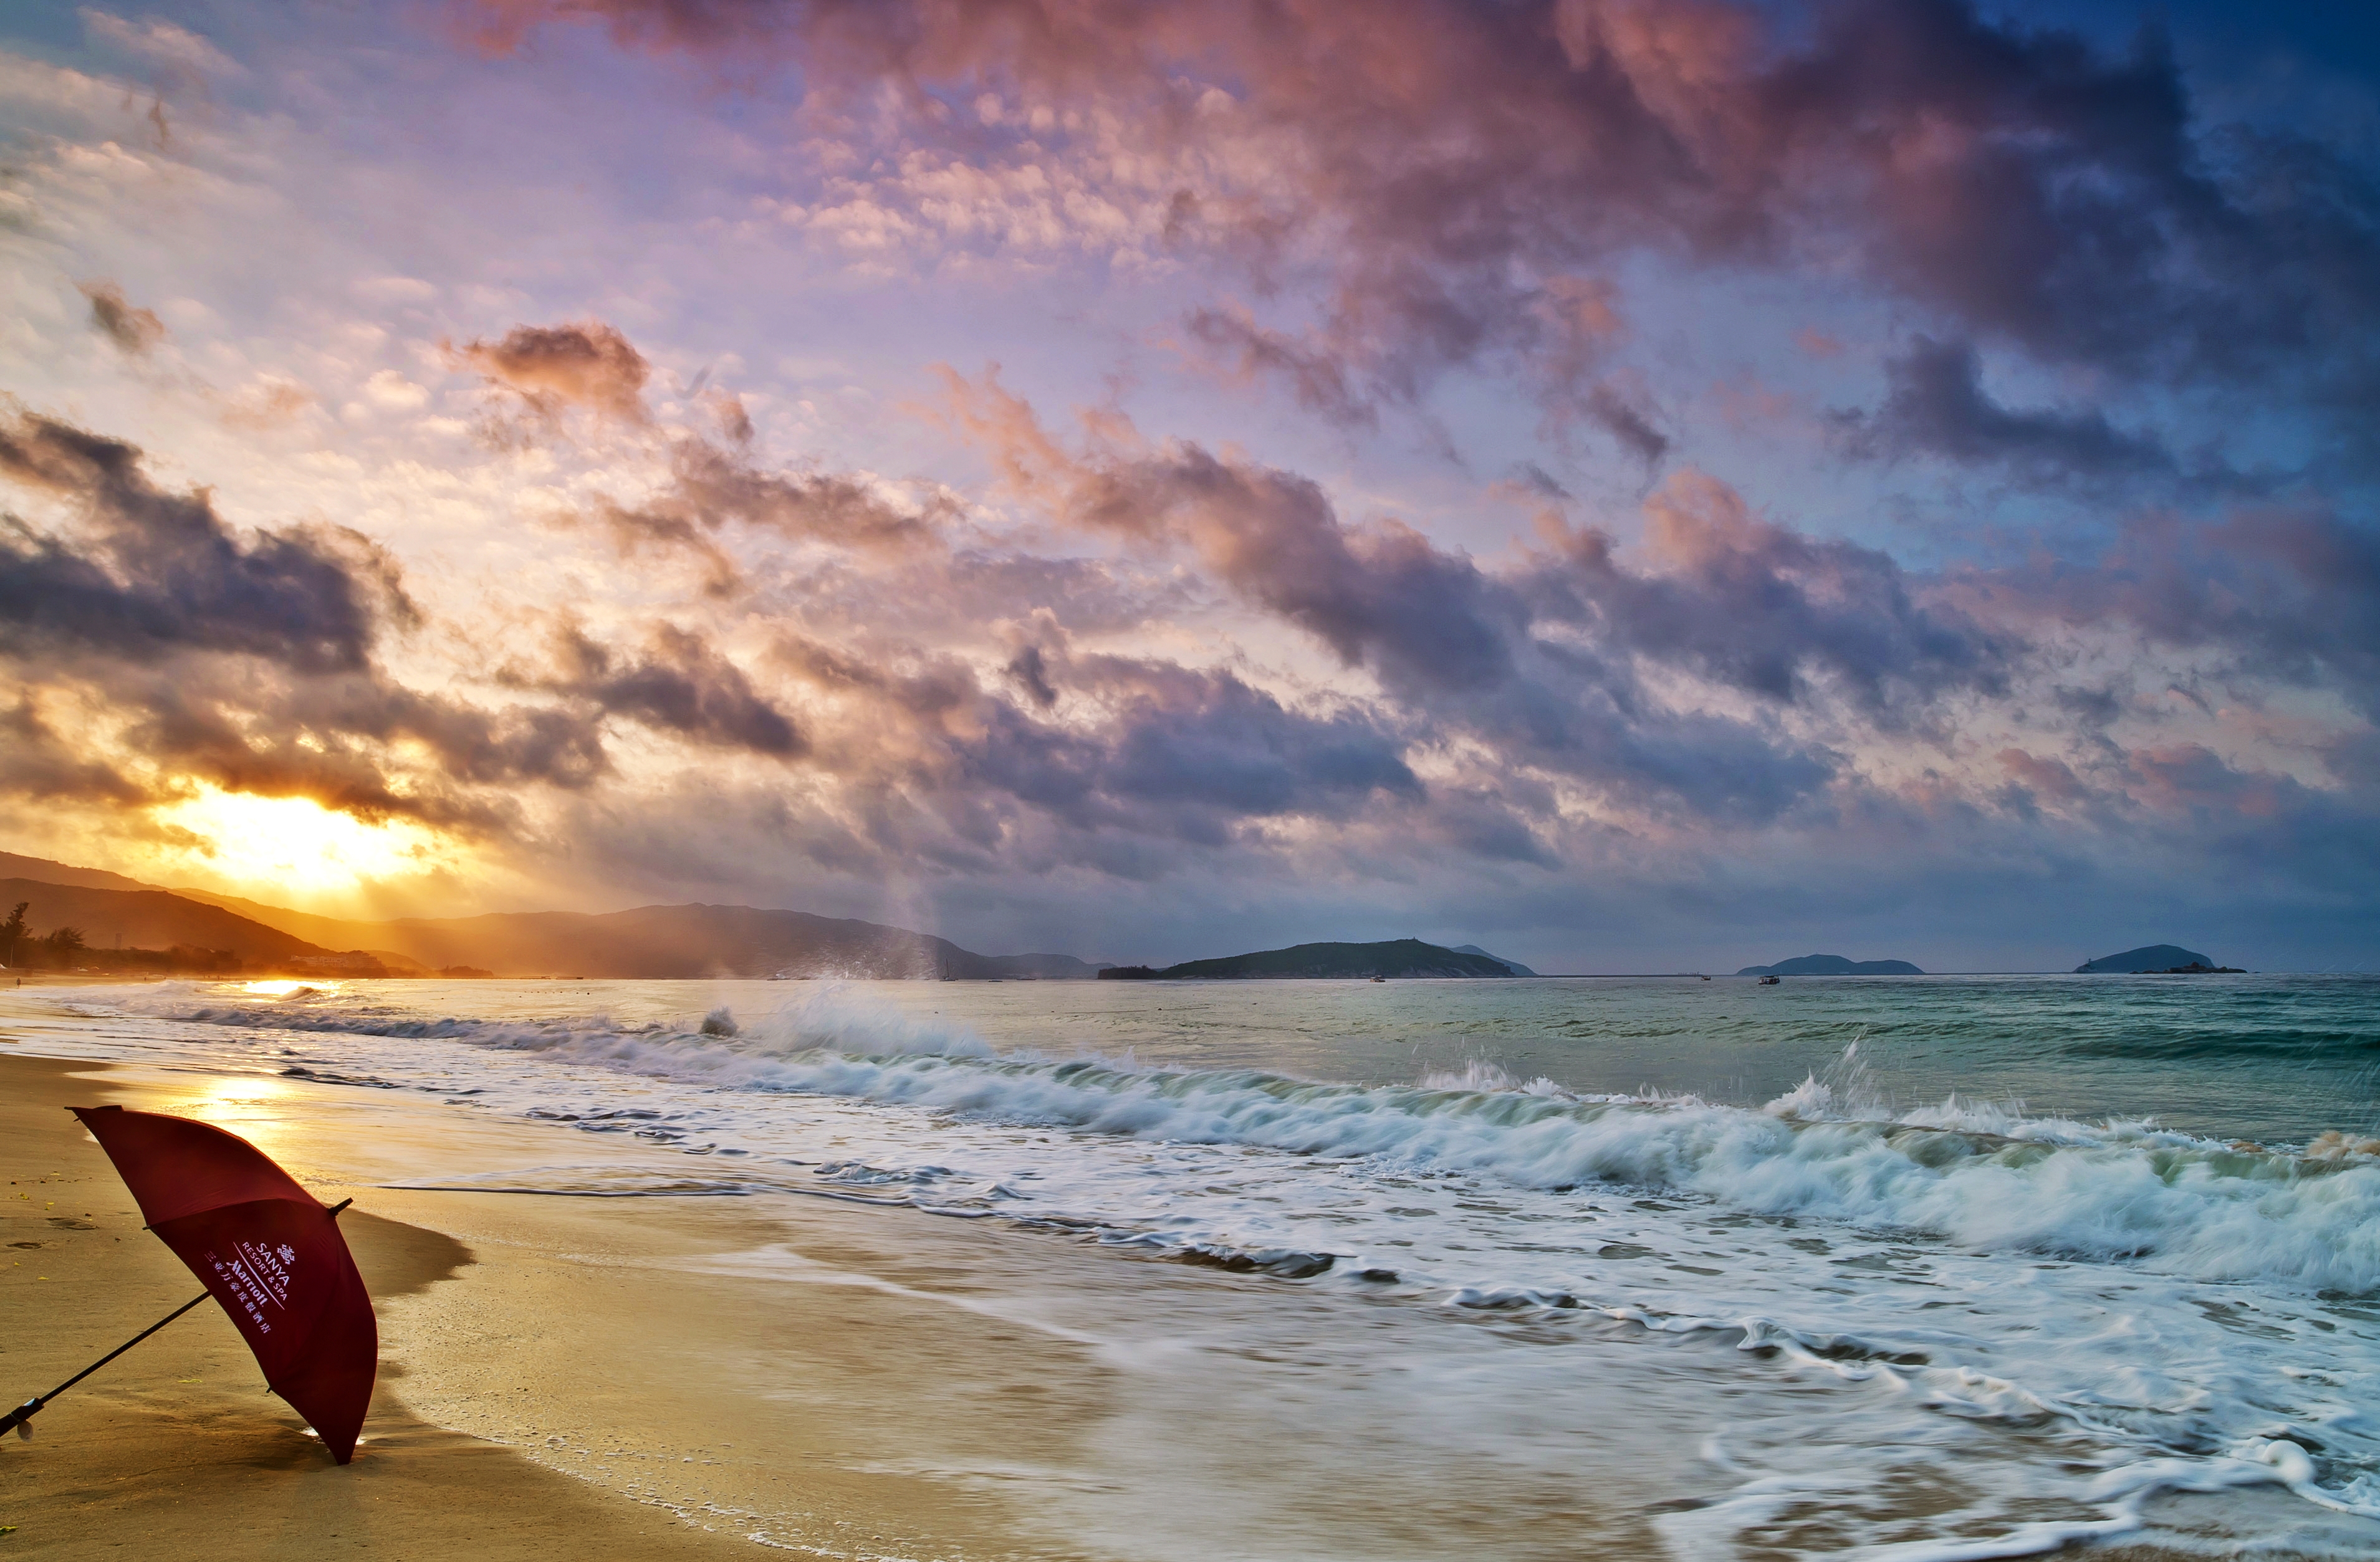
x=702 y=1413
x=177 y=1447
x=639 y=1377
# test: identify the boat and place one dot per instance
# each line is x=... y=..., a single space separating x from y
x=1770 y=980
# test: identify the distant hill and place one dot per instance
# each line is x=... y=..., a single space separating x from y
x=42 y=870
x=689 y=941
x=1832 y=965
x=685 y=941
x=2159 y=959
x=1397 y=957
x=1514 y=966
x=148 y=919
x=661 y=941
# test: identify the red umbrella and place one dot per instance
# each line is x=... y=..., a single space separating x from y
x=265 y=1248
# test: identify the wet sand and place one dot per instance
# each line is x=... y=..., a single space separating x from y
x=664 y=1378
x=177 y=1449
x=671 y=1412
x=684 y=1376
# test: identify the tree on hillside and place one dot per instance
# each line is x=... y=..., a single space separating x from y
x=63 y=943
x=12 y=933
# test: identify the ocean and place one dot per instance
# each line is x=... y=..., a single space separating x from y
x=1917 y=1268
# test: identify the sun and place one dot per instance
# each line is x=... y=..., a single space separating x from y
x=295 y=847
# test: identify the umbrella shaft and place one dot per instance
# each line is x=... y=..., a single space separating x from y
x=27 y=1411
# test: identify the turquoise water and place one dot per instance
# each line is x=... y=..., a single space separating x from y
x=2271 y=1058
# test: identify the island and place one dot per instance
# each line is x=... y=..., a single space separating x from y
x=1832 y=965
x=1396 y=957
x=2157 y=959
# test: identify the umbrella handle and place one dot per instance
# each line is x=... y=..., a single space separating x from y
x=32 y=1407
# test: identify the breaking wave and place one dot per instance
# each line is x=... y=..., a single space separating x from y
x=1986 y=1177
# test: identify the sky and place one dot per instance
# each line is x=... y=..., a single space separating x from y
x=1637 y=486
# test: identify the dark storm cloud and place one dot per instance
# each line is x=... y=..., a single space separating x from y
x=159 y=573
x=1221 y=745
x=248 y=661
x=1459 y=174
x=37 y=762
x=1546 y=660
x=1031 y=676
x=1772 y=612
x=1936 y=407
x=136 y=330
x=1381 y=594
x=682 y=684
x=1146 y=750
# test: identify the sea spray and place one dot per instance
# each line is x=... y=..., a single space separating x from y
x=1977 y=1175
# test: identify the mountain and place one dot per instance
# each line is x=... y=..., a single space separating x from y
x=1397 y=957
x=44 y=871
x=149 y=919
x=1832 y=965
x=661 y=941
x=1514 y=966
x=686 y=941
x=2161 y=959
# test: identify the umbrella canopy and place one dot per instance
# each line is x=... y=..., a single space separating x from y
x=266 y=1249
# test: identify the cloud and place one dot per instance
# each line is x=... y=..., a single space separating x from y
x=162 y=43
x=136 y=330
x=1147 y=751
x=160 y=573
x=1774 y=612
x=589 y=366
x=715 y=487
x=1317 y=374
x=250 y=662
x=1545 y=663
x=2286 y=594
x=38 y=763
x=680 y=684
x=1936 y=407
x=1459 y=176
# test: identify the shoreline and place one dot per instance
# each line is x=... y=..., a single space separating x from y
x=669 y=1375
x=593 y=1371
x=179 y=1437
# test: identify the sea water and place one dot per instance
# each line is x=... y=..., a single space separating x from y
x=1976 y=1267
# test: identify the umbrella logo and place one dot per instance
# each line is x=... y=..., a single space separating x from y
x=288 y=1254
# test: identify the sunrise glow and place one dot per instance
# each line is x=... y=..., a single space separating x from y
x=1645 y=485
x=292 y=846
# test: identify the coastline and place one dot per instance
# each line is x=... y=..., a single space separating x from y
x=675 y=1378
x=178 y=1442
x=681 y=1377
x=519 y=1319
x=652 y=1375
